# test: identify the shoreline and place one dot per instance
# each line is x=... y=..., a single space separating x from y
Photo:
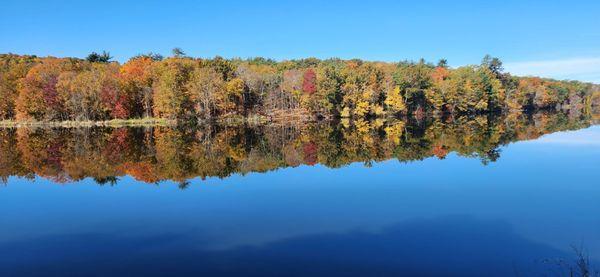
x=229 y=120
x=139 y=122
x=254 y=119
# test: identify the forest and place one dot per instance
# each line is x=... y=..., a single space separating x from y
x=157 y=154
x=186 y=89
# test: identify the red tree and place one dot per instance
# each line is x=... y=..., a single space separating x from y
x=310 y=153
x=115 y=99
x=309 y=83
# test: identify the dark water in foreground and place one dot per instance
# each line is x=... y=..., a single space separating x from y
x=463 y=197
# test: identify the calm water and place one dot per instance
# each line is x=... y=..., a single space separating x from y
x=474 y=196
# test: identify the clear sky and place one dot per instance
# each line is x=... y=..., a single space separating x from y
x=558 y=39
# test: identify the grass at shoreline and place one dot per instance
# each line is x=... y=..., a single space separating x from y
x=230 y=120
x=74 y=124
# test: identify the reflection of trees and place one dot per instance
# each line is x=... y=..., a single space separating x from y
x=160 y=153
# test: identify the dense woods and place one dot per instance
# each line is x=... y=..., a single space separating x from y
x=193 y=89
x=155 y=154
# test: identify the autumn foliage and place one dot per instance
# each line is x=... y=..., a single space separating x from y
x=185 y=88
x=309 y=81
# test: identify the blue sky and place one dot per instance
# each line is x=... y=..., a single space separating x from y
x=558 y=39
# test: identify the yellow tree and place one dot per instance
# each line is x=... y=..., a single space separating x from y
x=170 y=97
x=235 y=89
x=394 y=102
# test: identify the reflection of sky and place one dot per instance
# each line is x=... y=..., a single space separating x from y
x=541 y=196
x=589 y=137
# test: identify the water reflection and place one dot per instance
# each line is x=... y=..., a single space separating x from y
x=517 y=215
x=444 y=246
x=156 y=154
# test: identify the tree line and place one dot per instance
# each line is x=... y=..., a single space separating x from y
x=155 y=154
x=185 y=88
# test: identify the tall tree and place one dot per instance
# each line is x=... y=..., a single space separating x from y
x=38 y=97
x=136 y=81
x=207 y=92
x=178 y=52
x=493 y=64
x=99 y=58
x=414 y=79
x=12 y=69
x=170 y=98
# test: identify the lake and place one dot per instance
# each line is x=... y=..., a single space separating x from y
x=504 y=195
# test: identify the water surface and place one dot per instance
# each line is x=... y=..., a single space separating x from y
x=477 y=196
